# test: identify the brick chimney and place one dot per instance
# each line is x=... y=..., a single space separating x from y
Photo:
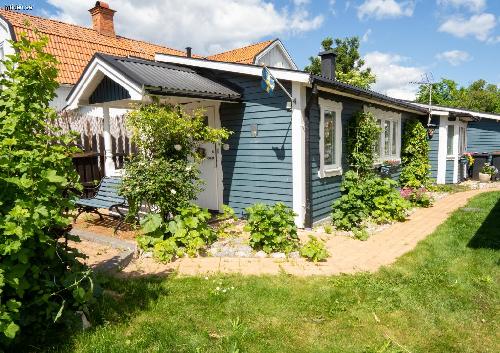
x=102 y=19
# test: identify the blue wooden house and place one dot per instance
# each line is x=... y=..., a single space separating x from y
x=456 y=131
x=288 y=149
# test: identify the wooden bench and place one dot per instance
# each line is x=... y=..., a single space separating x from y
x=105 y=197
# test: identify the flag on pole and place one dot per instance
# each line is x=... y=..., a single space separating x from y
x=267 y=81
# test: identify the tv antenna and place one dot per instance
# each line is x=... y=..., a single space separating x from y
x=427 y=79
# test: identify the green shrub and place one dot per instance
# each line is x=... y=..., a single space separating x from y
x=41 y=281
x=272 y=228
x=187 y=233
x=414 y=156
x=164 y=175
x=369 y=197
x=226 y=221
x=314 y=250
x=328 y=229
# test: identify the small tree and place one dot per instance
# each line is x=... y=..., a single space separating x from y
x=414 y=156
x=40 y=280
x=164 y=175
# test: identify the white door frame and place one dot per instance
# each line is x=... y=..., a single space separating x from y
x=443 y=156
x=217 y=124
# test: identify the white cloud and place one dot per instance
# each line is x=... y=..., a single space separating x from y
x=380 y=9
x=471 y=5
x=478 y=26
x=366 y=35
x=393 y=76
x=454 y=57
x=208 y=26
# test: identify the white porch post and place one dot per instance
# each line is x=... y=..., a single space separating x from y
x=298 y=153
x=109 y=165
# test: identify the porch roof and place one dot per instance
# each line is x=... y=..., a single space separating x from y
x=110 y=78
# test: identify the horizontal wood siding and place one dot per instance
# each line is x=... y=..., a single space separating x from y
x=483 y=136
x=257 y=169
x=325 y=190
x=434 y=148
x=449 y=171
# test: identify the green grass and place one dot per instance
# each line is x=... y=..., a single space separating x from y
x=441 y=297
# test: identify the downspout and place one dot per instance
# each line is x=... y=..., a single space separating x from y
x=308 y=220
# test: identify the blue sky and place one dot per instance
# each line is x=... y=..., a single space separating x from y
x=401 y=39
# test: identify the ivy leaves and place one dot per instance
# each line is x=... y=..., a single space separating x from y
x=362 y=134
x=415 y=156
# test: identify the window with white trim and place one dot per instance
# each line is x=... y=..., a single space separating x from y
x=330 y=138
x=450 y=150
x=388 y=145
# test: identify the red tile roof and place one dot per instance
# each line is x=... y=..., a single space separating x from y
x=245 y=55
x=74 y=46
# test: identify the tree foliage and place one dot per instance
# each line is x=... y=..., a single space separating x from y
x=349 y=64
x=41 y=282
x=478 y=96
x=165 y=173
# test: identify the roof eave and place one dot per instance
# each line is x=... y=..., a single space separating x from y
x=367 y=95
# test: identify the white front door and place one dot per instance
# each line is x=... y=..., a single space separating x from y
x=209 y=197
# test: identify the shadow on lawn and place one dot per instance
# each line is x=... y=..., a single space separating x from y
x=488 y=235
x=118 y=300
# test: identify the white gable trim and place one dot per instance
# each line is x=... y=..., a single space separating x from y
x=439 y=110
x=246 y=69
x=91 y=79
x=279 y=44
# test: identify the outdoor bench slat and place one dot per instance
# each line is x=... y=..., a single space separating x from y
x=105 y=197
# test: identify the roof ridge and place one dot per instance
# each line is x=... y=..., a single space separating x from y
x=67 y=35
x=244 y=47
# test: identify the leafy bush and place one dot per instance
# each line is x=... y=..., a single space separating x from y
x=187 y=233
x=362 y=135
x=226 y=221
x=369 y=197
x=314 y=250
x=414 y=156
x=272 y=228
x=41 y=281
x=489 y=169
x=164 y=175
x=417 y=197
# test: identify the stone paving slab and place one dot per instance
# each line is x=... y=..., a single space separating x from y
x=348 y=255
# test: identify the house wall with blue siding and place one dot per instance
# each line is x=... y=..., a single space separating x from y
x=325 y=190
x=434 y=148
x=257 y=169
x=449 y=171
x=483 y=136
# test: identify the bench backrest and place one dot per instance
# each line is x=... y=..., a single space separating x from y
x=108 y=190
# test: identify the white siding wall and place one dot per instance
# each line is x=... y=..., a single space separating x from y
x=275 y=58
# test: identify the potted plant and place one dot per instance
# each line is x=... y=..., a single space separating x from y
x=487 y=172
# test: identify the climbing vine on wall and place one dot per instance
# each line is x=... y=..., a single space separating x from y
x=362 y=134
x=414 y=156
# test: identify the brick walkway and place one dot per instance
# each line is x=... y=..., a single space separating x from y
x=347 y=255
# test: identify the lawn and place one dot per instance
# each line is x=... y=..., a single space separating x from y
x=441 y=297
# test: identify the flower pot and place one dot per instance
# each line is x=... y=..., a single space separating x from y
x=484 y=178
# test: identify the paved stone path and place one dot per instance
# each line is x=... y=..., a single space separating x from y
x=348 y=255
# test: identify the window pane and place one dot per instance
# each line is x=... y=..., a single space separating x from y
x=329 y=138
x=387 y=138
x=461 y=141
x=394 y=137
x=451 y=133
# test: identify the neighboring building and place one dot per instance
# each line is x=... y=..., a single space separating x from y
x=457 y=131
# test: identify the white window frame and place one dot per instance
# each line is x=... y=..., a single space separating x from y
x=383 y=116
x=333 y=169
x=454 y=140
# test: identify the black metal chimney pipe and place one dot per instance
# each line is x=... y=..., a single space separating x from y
x=328 y=63
x=188 y=52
